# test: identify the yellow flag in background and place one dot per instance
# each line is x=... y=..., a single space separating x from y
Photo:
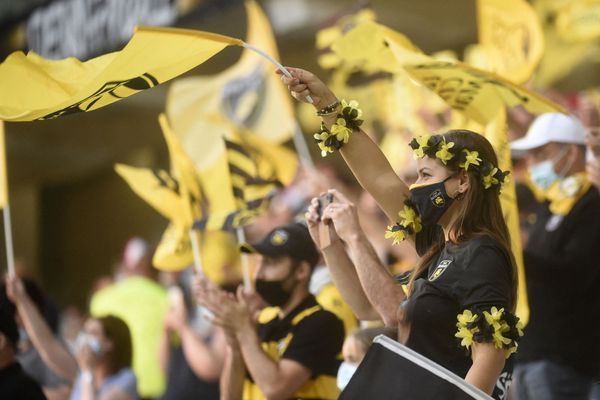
x=174 y=252
x=562 y=52
x=32 y=87
x=496 y=133
x=249 y=94
x=476 y=93
x=159 y=189
x=329 y=35
x=512 y=37
x=579 y=21
x=184 y=171
x=218 y=251
x=3 y=175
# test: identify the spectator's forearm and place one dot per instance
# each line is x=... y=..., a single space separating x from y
x=52 y=352
x=234 y=373
x=377 y=282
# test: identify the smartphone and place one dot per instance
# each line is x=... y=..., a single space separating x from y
x=324 y=200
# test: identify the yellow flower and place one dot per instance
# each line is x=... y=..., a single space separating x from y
x=321 y=136
x=489 y=179
x=443 y=153
x=354 y=105
x=397 y=234
x=510 y=350
x=494 y=318
x=324 y=149
x=408 y=217
x=341 y=131
x=465 y=318
x=466 y=335
x=500 y=340
x=472 y=158
x=422 y=142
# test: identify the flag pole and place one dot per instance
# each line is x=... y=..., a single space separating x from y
x=4 y=203
x=195 y=240
x=274 y=61
x=10 y=256
x=302 y=147
x=241 y=237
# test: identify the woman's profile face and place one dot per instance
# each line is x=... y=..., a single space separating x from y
x=430 y=170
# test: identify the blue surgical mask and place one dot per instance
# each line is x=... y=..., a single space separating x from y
x=345 y=373
x=543 y=174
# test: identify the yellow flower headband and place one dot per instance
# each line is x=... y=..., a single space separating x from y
x=435 y=146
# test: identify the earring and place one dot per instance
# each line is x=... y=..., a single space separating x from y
x=459 y=196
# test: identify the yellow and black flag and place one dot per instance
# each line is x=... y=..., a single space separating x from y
x=254 y=181
x=247 y=182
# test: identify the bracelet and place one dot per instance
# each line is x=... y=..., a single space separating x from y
x=347 y=121
x=330 y=109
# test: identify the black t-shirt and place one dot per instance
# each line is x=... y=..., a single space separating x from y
x=183 y=383
x=16 y=384
x=562 y=266
x=474 y=274
x=316 y=340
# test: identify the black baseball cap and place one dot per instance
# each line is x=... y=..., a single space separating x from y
x=292 y=240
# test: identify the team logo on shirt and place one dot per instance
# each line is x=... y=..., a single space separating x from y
x=439 y=270
x=436 y=198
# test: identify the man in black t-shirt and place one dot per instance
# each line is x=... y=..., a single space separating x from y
x=559 y=356
x=14 y=382
x=294 y=350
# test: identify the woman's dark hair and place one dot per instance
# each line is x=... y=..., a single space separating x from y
x=480 y=212
x=117 y=332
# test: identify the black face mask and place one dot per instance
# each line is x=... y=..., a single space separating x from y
x=273 y=292
x=431 y=201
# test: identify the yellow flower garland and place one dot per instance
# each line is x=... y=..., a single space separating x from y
x=497 y=326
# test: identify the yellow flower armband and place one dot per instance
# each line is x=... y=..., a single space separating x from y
x=409 y=224
x=347 y=121
x=496 y=326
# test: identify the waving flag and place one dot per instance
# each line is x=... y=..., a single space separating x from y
x=511 y=35
x=248 y=94
x=33 y=88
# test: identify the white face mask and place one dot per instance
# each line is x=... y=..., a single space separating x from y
x=345 y=373
x=85 y=339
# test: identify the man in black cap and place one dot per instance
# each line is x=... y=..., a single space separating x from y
x=14 y=383
x=293 y=350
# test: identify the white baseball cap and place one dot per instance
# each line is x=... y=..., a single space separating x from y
x=551 y=127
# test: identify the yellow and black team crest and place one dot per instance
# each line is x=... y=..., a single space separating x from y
x=439 y=270
x=279 y=238
x=437 y=198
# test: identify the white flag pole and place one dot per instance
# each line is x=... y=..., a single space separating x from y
x=274 y=61
x=302 y=147
x=10 y=256
x=195 y=240
x=241 y=237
